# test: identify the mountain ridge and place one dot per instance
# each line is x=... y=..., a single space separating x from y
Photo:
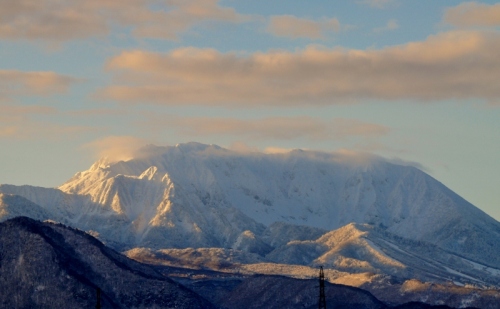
x=199 y=196
x=48 y=265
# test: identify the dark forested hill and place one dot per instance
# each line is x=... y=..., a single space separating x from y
x=46 y=265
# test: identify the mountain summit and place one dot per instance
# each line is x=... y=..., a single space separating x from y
x=196 y=195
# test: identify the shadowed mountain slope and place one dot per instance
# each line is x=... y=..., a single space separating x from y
x=45 y=265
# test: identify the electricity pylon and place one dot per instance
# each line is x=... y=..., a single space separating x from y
x=98 y=298
x=322 y=299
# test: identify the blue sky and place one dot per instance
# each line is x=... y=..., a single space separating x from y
x=413 y=80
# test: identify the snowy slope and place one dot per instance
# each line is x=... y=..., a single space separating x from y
x=361 y=248
x=12 y=206
x=195 y=195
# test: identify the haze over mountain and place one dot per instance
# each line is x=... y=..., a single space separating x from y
x=278 y=207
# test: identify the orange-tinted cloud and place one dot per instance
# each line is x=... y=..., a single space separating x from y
x=115 y=148
x=294 y=27
x=56 y=20
x=15 y=83
x=8 y=131
x=16 y=112
x=470 y=14
x=97 y=112
x=23 y=122
x=271 y=128
x=450 y=65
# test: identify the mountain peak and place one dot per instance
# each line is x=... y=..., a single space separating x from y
x=346 y=233
x=197 y=195
x=102 y=163
x=195 y=146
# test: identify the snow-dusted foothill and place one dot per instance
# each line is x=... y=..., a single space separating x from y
x=49 y=265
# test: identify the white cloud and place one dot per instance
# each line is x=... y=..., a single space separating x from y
x=400 y=161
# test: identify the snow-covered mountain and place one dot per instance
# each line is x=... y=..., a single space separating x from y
x=352 y=249
x=12 y=206
x=195 y=195
x=361 y=248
